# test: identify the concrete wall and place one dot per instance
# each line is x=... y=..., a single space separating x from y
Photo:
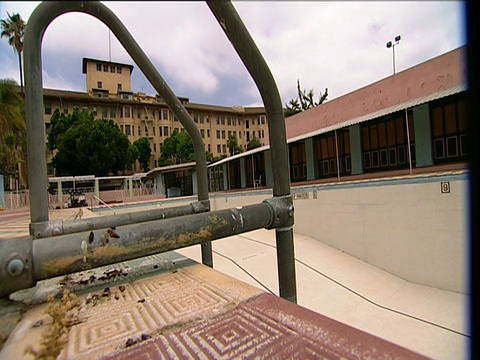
x=405 y=226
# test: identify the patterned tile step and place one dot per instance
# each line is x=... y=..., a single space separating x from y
x=265 y=327
x=106 y=320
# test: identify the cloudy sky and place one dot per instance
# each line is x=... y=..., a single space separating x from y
x=339 y=45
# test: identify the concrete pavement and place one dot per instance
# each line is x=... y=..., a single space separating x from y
x=425 y=320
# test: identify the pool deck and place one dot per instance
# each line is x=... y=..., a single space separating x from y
x=183 y=309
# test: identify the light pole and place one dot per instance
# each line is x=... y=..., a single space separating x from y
x=392 y=45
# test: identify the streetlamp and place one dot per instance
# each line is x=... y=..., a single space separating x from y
x=392 y=45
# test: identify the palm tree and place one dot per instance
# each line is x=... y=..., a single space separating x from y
x=12 y=129
x=14 y=29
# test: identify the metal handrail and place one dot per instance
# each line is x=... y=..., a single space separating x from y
x=28 y=259
x=101 y=201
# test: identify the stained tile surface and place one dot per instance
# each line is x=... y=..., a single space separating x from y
x=266 y=327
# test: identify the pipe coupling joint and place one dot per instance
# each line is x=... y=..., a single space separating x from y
x=282 y=211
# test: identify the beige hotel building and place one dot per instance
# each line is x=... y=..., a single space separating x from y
x=109 y=95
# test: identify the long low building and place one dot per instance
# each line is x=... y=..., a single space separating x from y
x=404 y=123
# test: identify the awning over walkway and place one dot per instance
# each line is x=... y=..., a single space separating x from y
x=386 y=111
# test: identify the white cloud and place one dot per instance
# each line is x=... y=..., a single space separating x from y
x=339 y=45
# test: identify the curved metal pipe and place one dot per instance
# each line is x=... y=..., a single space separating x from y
x=256 y=65
x=41 y=17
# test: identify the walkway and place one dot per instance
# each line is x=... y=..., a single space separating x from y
x=428 y=321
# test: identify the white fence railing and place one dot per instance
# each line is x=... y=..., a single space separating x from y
x=14 y=199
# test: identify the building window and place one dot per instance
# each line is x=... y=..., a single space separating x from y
x=202 y=132
x=127 y=111
x=298 y=160
x=104 y=112
x=160 y=131
x=223 y=134
x=224 y=149
x=449 y=129
x=165 y=130
x=165 y=114
x=95 y=111
x=65 y=109
x=48 y=109
x=119 y=87
x=195 y=118
x=99 y=67
x=105 y=68
x=208 y=132
x=219 y=148
x=229 y=121
x=326 y=155
x=99 y=84
x=139 y=131
x=85 y=109
x=154 y=147
x=127 y=130
x=385 y=143
x=218 y=134
x=202 y=119
x=119 y=69
x=113 y=112
x=112 y=68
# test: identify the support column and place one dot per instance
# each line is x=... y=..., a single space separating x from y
x=130 y=186
x=194 y=182
x=423 y=135
x=226 y=184
x=310 y=154
x=96 y=189
x=243 y=173
x=356 y=148
x=268 y=169
x=60 y=193
x=2 y=192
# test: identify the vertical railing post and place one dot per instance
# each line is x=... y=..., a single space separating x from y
x=256 y=65
x=38 y=22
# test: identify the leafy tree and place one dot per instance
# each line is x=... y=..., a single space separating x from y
x=13 y=140
x=304 y=101
x=185 y=148
x=132 y=155
x=177 y=148
x=232 y=144
x=60 y=123
x=253 y=143
x=14 y=29
x=12 y=107
x=144 y=152
x=90 y=146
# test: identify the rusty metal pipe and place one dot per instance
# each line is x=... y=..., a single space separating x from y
x=70 y=253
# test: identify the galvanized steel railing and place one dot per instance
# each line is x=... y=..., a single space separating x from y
x=60 y=247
